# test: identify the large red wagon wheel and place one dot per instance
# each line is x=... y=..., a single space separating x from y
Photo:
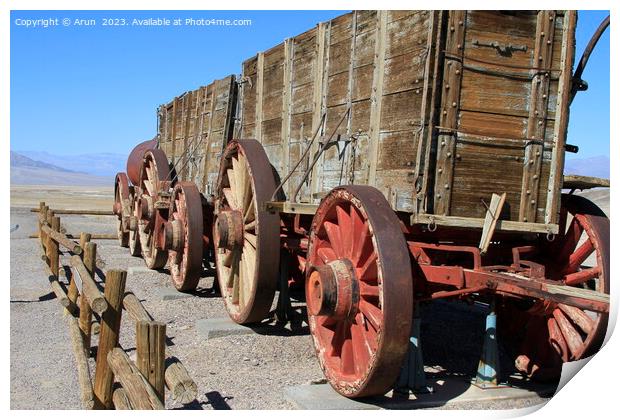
x=154 y=177
x=359 y=291
x=578 y=257
x=246 y=237
x=183 y=236
x=121 y=193
x=134 y=235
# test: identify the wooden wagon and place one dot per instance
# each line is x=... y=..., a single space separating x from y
x=386 y=158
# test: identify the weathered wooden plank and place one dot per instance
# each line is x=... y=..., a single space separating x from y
x=446 y=144
x=151 y=354
x=562 y=109
x=538 y=116
x=377 y=96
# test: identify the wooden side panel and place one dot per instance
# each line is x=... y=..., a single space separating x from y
x=195 y=127
x=496 y=133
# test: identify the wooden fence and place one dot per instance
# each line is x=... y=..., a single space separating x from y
x=118 y=382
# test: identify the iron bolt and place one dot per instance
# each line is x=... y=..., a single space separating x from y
x=533 y=202
x=440 y=170
x=535 y=177
x=528 y=192
x=449 y=154
x=447 y=187
x=458 y=72
x=453 y=104
x=451 y=28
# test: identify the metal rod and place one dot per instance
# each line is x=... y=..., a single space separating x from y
x=316 y=158
x=316 y=132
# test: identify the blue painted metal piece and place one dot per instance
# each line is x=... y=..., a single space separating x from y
x=488 y=367
x=412 y=377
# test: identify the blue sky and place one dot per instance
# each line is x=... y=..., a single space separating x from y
x=95 y=89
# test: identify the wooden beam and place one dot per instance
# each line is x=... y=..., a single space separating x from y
x=108 y=337
x=318 y=95
x=537 y=119
x=448 y=120
x=81 y=358
x=140 y=394
x=490 y=221
x=376 y=96
x=89 y=289
x=52 y=245
x=93 y=236
x=61 y=239
x=476 y=223
x=178 y=381
x=260 y=68
x=86 y=313
x=552 y=213
x=121 y=400
x=79 y=212
x=134 y=308
x=151 y=354
x=286 y=104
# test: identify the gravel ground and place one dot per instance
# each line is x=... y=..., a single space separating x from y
x=233 y=372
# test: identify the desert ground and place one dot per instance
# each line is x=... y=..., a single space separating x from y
x=232 y=372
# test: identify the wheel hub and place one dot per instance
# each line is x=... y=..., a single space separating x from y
x=333 y=290
x=173 y=236
x=146 y=208
x=230 y=228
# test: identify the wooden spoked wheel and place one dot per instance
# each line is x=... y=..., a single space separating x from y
x=134 y=235
x=578 y=257
x=359 y=291
x=246 y=237
x=183 y=236
x=154 y=177
x=121 y=193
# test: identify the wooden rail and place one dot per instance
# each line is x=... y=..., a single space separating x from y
x=117 y=383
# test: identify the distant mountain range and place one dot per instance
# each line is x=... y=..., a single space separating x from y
x=100 y=164
x=597 y=166
x=27 y=171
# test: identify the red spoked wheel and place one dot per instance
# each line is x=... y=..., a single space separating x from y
x=183 y=236
x=154 y=178
x=359 y=291
x=121 y=204
x=578 y=257
x=134 y=235
x=246 y=237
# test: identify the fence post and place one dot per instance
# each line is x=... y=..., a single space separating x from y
x=151 y=354
x=89 y=257
x=108 y=337
x=42 y=236
x=53 y=245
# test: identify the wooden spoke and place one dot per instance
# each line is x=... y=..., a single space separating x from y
x=250 y=238
x=326 y=254
x=372 y=314
x=369 y=271
x=250 y=214
x=580 y=277
x=578 y=257
x=579 y=317
x=333 y=235
x=250 y=226
x=571 y=336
